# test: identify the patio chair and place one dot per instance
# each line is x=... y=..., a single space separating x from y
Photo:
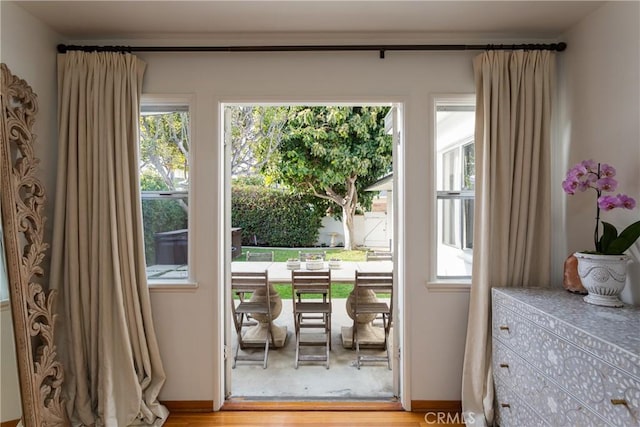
x=378 y=283
x=378 y=256
x=303 y=257
x=254 y=256
x=256 y=284
x=260 y=256
x=312 y=284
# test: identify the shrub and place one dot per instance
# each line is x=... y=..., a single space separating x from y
x=273 y=217
x=159 y=215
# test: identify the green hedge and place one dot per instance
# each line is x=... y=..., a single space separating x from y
x=271 y=217
x=159 y=215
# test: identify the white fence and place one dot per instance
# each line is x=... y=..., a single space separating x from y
x=371 y=230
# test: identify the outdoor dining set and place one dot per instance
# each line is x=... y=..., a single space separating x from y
x=255 y=304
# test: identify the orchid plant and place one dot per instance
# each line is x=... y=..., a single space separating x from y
x=600 y=177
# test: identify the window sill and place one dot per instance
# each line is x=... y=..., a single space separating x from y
x=448 y=286
x=172 y=286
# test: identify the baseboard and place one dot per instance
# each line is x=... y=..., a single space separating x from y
x=255 y=405
x=12 y=423
x=450 y=406
x=203 y=406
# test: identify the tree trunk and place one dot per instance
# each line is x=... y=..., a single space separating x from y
x=348 y=212
x=348 y=203
x=347 y=225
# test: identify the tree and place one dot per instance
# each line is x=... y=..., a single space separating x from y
x=255 y=135
x=333 y=153
x=164 y=151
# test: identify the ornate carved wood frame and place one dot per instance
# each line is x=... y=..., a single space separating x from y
x=23 y=199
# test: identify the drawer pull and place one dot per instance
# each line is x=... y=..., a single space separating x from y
x=619 y=402
x=504 y=365
x=504 y=328
x=505 y=405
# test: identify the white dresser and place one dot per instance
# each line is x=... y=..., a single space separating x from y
x=558 y=361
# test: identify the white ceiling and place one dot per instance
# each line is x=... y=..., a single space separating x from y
x=130 y=19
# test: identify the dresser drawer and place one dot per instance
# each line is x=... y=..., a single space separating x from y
x=511 y=329
x=610 y=335
x=511 y=411
x=552 y=403
x=605 y=389
x=610 y=392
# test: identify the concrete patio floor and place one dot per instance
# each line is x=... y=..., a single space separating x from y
x=312 y=381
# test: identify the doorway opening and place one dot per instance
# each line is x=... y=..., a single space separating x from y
x=303 y=152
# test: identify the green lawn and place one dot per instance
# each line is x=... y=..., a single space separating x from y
x=283 y=254
x=338 y=290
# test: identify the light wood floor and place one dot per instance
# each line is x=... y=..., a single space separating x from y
x=305 y=419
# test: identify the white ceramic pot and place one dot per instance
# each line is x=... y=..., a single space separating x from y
x=293 y=264
x=603 y=276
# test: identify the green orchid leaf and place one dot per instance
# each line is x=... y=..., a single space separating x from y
x=609 y=234
x=626 y=238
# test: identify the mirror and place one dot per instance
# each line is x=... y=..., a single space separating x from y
x=22 y=199
x=10 y=409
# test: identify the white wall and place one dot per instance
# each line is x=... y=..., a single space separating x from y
x=436 y=320
x=436 y=351
x=600 y=104
x=28 y=49
x=598 y=112
x=330 y=225
x=600 y=120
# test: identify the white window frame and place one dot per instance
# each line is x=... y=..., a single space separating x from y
x=435 y=282
x=180 y=101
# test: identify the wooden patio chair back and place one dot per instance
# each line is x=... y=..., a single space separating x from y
x=368 y=286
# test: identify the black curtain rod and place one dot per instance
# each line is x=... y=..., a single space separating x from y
x=558 y=47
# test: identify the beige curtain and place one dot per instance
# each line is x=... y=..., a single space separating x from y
x=108 y=344
x=512 y=209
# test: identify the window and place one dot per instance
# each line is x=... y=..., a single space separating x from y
x=164 y=184
x=455 y=188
